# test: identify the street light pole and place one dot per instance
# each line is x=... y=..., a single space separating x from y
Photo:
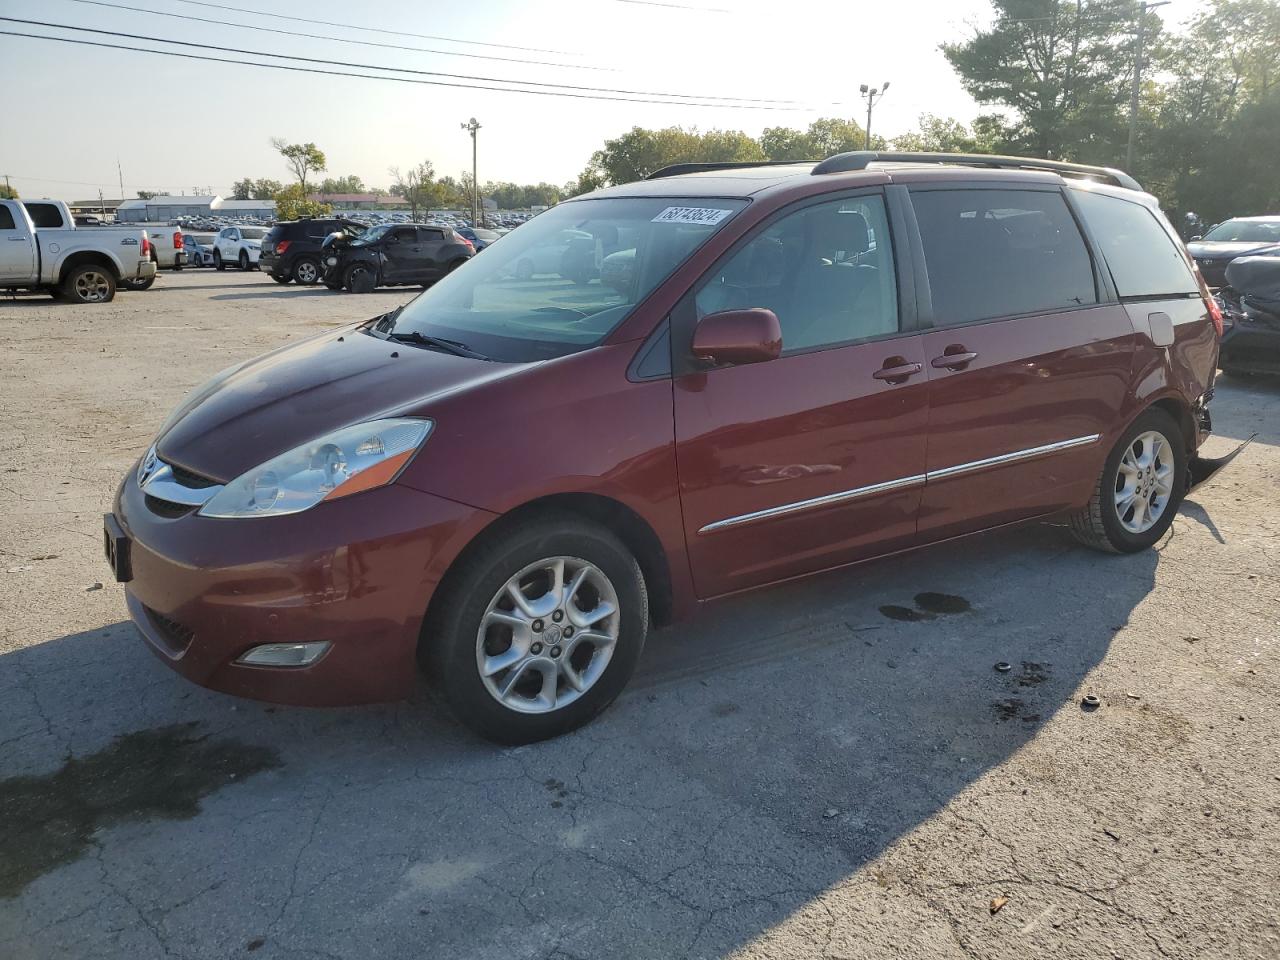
x=1137 y=79
x=871 y=95
x=472 y=126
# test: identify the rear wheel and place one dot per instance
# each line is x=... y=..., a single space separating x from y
x=138 y=284
x=279 y=279
x=89 y=284
x=306 y=270
x=1140 y=488
x=538 y=630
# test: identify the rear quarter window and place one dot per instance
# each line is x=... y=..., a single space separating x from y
x=1142 y=257
x=46 y=215
x=6 y=219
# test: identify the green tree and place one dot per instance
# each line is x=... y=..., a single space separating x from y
x=292 y=204
x=1063 y=67
x=418 y=187
x=348 y=184
x=824 y=137
x=147 y=194
x=936 y=134
x=247 y=189
x=301 y=158
x=639 y=152
x=7 y=192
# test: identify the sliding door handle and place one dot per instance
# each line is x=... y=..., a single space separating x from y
x=899 y=372
x=954 y=361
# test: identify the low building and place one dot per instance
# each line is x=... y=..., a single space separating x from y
x=359 y=201
x=166 y=208
x=94 y=208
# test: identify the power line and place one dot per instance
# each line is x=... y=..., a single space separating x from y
x=319 y=36
x=356 y=26
x=365 y=76
x=674 y=6
x=370 y=66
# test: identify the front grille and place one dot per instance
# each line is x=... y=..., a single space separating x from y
x=188 y=479
x=174 y=635
x=163 y=508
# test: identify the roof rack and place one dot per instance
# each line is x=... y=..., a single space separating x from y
x=676 y=169
x=861 y=159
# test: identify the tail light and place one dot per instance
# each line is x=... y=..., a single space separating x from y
x=1210 y=303
x=177 y=241
x=282 y=245
x=461 y=239
x=146 y=245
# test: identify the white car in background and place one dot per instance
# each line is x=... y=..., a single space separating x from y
x=238 y=245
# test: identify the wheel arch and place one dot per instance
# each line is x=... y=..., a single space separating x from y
x=632 y=529
x=85 y=258
x=1177 y=408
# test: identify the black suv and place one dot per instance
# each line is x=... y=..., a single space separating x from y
x=291 y=249
x=393 y=254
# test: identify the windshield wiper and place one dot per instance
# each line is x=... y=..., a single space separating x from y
x=437 y=343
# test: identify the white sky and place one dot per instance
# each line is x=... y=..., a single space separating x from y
x=69 y=111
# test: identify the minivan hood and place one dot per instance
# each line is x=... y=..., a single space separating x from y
x=286 y=398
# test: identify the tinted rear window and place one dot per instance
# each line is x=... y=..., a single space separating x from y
x=1001 y=253
x=45 y=215
x=1142 y=258
x=6 y=219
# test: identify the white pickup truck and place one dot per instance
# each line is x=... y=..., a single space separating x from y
x=83 y=264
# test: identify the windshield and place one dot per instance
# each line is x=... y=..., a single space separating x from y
x=252 y=233
x=1246 y=231
x=374 y=234
x=567 y=278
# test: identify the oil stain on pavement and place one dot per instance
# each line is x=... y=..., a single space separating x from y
x=49 y=820
x=928 y=607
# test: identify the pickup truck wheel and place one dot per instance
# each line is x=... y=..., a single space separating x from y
x=244 y=260
x=89 y=284
x=138 y=284
x=360 y=279
x=217 y=261
x=306 y=271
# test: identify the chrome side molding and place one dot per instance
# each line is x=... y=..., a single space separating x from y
x=900 y=484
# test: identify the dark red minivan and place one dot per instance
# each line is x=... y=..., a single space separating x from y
x=790 y=368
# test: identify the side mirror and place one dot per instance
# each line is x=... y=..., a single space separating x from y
x=737 y=337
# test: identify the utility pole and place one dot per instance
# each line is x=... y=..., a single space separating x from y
x=1137 y=79
x=472 y=126
x=7 y=189
x=871 y=95
x=120 y=174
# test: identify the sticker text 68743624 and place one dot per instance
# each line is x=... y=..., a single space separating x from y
x=707 y=216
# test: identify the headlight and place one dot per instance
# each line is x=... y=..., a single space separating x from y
x=332 y=261
x=336 y=465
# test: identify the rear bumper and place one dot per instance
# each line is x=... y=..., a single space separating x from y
x=204 y=591
x=146 y=270
x=270 y=263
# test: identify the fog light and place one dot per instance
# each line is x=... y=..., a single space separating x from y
x=285 y=654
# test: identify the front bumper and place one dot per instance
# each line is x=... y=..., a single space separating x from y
x=357 y=572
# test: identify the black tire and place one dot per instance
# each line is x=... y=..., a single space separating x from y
x=138 y=284
x=331 y=285
x=359 y=278
x=306 y=271
x=1098 y=524
x=244 y=260
x=279 y=279
x=89 y=283
x=448 y=649
x=524 y=269
x=217 y=261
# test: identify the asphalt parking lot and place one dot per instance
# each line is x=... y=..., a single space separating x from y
x=832 y=768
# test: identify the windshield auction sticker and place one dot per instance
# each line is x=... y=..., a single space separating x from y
x=704 y=215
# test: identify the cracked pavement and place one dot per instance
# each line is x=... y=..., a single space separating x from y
x=792 y=774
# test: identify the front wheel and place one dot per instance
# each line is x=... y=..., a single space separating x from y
x=217 y=261
x=359 y=279
x=244 y=260
x=1142 y=483
x=538 y=630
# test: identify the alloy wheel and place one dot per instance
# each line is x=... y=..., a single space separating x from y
x=1144 y=482
x=548 y=635
x=92 y=287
